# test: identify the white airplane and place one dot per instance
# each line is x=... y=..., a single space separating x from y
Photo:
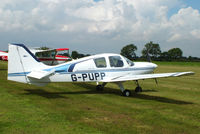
x=24 y=67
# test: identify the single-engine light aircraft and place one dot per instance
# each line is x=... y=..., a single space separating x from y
x=3 y=56
x=24 y=67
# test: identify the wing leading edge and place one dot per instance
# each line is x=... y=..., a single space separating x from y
x=130 y=77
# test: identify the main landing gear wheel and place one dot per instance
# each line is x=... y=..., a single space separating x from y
x=126 y=93
x=99 y=88
x=138 y=89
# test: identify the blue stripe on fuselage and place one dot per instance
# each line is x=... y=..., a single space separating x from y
x=18 y=74
x=65 y=68
x=111 y=70
x=62 y=70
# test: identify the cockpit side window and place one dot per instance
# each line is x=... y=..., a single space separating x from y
x=130 y=63
x=116 y=61
x=100 y=62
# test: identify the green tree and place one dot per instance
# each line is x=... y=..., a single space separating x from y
x=129 y=51
x=151 y=49
x=44 y=48
x=175 y=53
x=74 y=55
x=164 y=56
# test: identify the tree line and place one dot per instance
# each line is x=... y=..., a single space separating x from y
x=152 y=51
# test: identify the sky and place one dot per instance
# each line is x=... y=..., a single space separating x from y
x=101 y=26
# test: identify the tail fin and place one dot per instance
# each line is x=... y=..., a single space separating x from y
x=21 y=62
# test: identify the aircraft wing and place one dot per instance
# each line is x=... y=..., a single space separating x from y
x=130 y=76
x=40 y=74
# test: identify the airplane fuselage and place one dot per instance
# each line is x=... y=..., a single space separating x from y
x=64 y=74
x=98 y=68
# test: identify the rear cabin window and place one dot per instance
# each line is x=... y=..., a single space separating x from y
x=116 y=61
x=100 y=62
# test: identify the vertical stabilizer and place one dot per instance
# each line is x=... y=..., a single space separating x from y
x=21 y=62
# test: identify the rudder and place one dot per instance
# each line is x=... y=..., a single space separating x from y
x=21 y=62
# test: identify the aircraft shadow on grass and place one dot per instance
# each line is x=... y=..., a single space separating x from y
x=91 y=90
x=45 y=94
x=3 y=69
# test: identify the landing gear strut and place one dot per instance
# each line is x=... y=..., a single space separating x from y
x=126 y=92
x=138 y=88
x=100 y=87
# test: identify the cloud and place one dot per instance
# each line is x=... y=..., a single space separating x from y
x=185 y=24
x=112 y=22
x=175 y=37
x=196 y=33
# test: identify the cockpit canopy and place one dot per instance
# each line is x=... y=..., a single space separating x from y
x=112 y=61
x=104 y=61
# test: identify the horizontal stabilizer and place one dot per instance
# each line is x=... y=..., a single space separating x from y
x=40 y=74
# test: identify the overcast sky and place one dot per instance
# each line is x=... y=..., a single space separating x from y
x=98 y=26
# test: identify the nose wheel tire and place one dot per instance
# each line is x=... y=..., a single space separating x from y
x=126 y=93
x=138 y=89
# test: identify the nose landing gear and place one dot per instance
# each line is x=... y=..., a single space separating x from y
x=125 y=92
x=138 y=88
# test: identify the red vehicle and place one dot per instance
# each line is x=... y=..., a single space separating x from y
x=3 y=56
x=49 y=57
x=52 y=56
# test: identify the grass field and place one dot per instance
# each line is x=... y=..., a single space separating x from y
x=171 y=107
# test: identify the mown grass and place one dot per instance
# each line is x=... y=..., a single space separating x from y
x=177 y=63
x=172 y=106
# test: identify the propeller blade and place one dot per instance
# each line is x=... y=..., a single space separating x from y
x=156 y=80
x=148 y=56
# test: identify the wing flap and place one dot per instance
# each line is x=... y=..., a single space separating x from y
x=130 y=77
x=39 y=74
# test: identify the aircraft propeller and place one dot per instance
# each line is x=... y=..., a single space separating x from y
x=149 y=60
